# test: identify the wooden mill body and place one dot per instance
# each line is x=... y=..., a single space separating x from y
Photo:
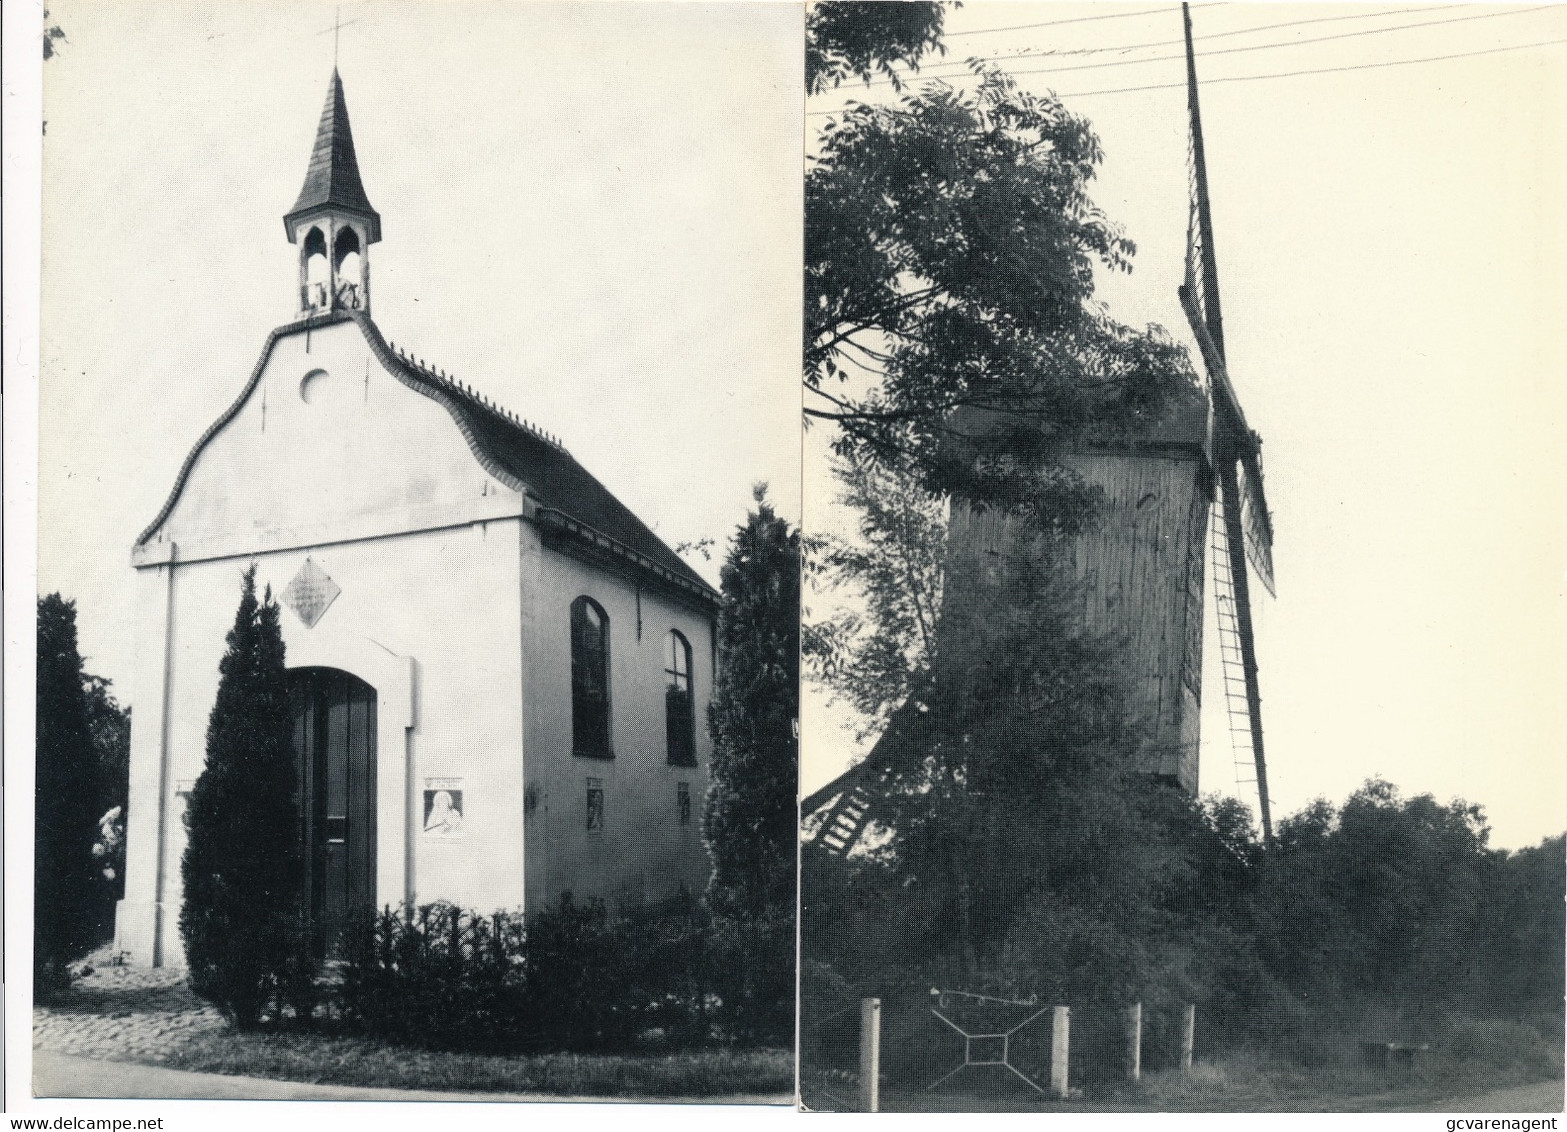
x=1140 y=575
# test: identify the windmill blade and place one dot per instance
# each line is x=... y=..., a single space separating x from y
x=1212 y=363
x=1201 y=263
x=1245 y=643
x=1258 y=524
x=835 y=817
x=1232 y=668
x=845 y=821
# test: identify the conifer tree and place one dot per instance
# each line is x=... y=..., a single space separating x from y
x=244 y=862
x=751 y=810
x=750 y=820
x=65 y=802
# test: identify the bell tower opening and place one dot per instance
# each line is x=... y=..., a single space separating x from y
x=348 y=269
x=333 y=221
x=315 y=275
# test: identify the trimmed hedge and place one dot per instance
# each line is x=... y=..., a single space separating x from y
x=570 y=977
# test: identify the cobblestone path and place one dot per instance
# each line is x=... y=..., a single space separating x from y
x=124 y=1013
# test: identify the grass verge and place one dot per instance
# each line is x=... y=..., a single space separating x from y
x=319 y=1059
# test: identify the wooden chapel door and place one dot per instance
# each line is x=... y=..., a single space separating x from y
x=334 y=747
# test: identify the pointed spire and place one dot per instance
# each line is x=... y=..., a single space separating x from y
x=332 y=179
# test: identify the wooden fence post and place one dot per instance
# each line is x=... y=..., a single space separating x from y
x=1188 y=1034
x=870 y=1054
x=1134 y=1042
x=1060 y=1044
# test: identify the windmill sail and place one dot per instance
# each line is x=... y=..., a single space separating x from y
x=1255 y=521
x=1232 y=448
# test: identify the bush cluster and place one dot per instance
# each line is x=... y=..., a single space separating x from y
x=569 y=977
x=1383 y=918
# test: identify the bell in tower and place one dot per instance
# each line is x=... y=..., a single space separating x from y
x=332 y=222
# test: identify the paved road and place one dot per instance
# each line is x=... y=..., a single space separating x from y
x=64 y=1075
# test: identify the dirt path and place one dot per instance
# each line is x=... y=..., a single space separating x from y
x=1542 y=1096
x=66 y=1075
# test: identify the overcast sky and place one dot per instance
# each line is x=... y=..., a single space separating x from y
x=590 y=213
x=1391 y=259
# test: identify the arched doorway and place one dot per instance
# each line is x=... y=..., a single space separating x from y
x=334 y=749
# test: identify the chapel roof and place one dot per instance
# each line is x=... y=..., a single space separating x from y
x=332 y=178
x=571 y=499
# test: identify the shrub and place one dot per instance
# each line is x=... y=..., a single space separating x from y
x=753 y=962
x=670 y=974
x=568 y=977
x=244 y=927
x=436 y=976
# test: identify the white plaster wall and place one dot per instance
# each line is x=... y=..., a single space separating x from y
x=429 y=615
x=434 y=614
x=365 y=455
x=643 y=852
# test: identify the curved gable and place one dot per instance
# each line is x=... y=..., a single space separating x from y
x=324 y=444
x=411 y=479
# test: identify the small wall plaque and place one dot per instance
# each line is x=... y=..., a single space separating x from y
x=443 y=807
x=311 y=593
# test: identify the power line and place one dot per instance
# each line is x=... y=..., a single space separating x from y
x=1289 y=74
x=1291 y=43
x=1325 y=70
x=1251 y=47
x=1077 y=20
x=1199 y=39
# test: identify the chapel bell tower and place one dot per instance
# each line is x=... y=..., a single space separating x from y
x=332 y=221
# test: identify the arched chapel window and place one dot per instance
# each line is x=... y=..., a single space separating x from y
x=589 y=680
x=679 y=707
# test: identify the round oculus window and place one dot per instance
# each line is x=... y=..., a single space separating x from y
x=312 y=385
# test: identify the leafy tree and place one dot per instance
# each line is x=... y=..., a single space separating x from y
x=65 y=802
x=845 y=38
x=750 y=820
x=949 y=265
x=52 y=32
x=242 y=920
x=873 y=651
x=952 y=337
x=1523 y=906
x=1382 y=901
x=1020 y=780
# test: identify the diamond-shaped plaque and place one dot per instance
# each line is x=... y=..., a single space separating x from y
x=310 y=593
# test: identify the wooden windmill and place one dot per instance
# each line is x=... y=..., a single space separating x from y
x=1141 y=570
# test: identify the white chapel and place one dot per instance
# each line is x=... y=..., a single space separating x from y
x=499 y=673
